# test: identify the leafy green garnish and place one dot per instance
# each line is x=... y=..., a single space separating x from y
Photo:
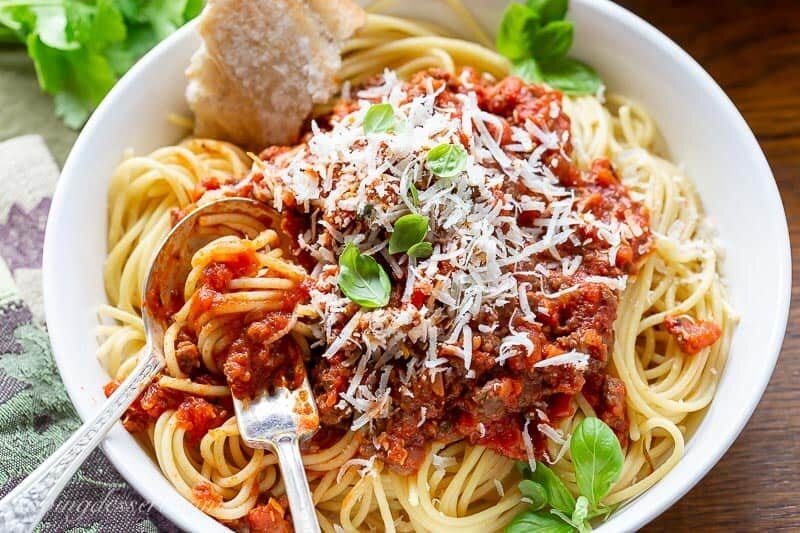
x=80 y=48
x=558 y=495
x=552 y=40
x=580 y=514
x=413 y=193
x=447 y=160
x=408 y=231
x=536 y=38
x=538 y=522
x=362 y=279
x=379 y=118
x=597 y=458
x=516 y=29
x=534 y=492
x=421 y=250
x=549 y=10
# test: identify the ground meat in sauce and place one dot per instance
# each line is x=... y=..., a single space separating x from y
x=254 y=362
x=490 y=409
x=692 y=335
x=271 y=517
x=492 y=405
x=197 y=416
x=205 y=497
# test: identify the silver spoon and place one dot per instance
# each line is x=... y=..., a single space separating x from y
x=277 y=422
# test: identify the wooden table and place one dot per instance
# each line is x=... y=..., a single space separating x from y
x=752 y=49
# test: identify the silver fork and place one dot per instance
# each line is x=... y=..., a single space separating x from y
x=279 y=422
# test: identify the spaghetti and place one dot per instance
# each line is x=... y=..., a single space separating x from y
x=457 y=486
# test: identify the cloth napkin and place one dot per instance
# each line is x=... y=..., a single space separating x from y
x=36 y=415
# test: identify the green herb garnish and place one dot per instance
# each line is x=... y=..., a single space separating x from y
x=447 y=160
x=408 y=231
x=421 y=250
x=362 y=279
x=81 y=48
x=529 y=522
x=413 y=193
x=379 y=118
x=597 y=459
x=536 y=38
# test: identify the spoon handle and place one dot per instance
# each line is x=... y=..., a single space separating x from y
x=23 y=508
x=304 y=516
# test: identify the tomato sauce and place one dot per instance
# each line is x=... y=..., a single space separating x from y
x=496 y=403
x=692 y=335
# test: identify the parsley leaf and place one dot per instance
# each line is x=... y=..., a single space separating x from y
x=80 y=49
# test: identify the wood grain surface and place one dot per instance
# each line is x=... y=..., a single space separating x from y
x=752 y=49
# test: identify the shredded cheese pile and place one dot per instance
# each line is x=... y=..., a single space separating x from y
x=355 y=186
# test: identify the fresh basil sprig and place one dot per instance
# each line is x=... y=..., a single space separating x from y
x=409 y=231
x=362 y=279
x=447 y=160
x=536 y=38
x=379 y=118
x=597 y=458
x=529 y=522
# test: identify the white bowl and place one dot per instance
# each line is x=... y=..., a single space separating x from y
x=704 y=132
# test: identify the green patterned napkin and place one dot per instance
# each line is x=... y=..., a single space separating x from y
x=36 y=415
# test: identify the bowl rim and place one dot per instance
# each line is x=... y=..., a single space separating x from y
x=773 y=339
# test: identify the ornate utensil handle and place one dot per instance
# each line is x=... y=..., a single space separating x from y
x=304 y=517
x=25 y=506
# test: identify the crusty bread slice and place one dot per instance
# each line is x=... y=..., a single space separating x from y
x=264 y=64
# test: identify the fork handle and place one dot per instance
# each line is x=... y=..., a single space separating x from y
x=24 y=507
x=304 y=516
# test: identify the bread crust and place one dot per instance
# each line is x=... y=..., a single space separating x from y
x=264 y=64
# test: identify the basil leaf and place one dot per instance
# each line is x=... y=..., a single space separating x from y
x=447 y=160
x=541 y=522
x=534 y=492
x=552 y=41
x=549 y=10
x=421 y=250
x=580 y=515
x=516 y=29
x=570 y=76
x=408 y=230
x=362 y=279
x=413 y=193
x=528 y=71
x=558 y=495
x=597 y=458
x=379 y=118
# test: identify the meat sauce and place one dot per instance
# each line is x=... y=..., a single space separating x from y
x=499 y=402
x=253 y=362
x=692 y=335
x=492 y=407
